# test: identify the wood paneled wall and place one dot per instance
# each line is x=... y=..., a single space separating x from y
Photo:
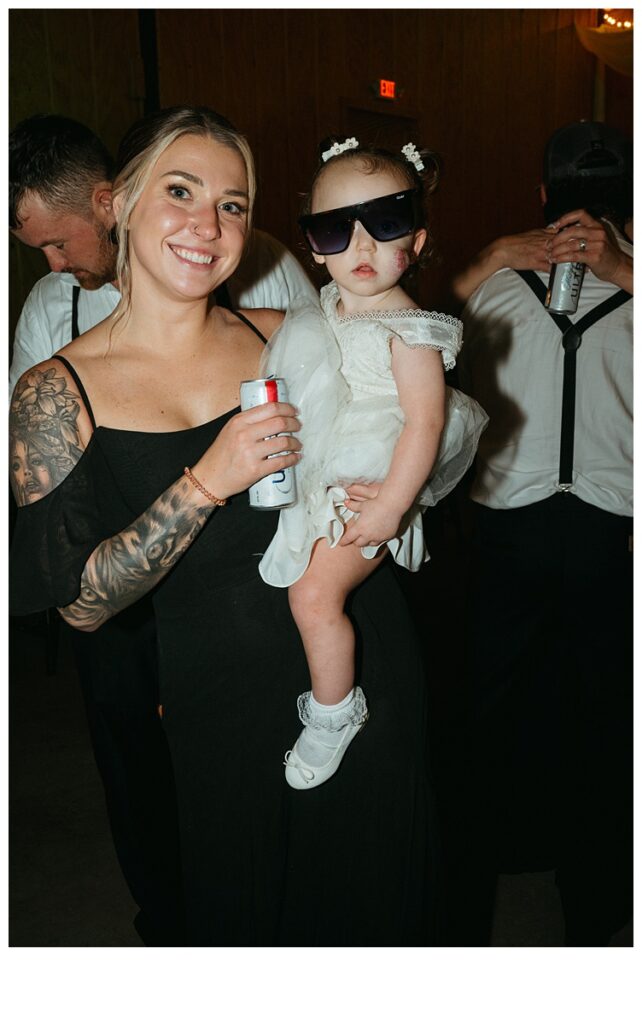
x=484 y=87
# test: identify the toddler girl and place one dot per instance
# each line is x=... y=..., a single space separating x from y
x=366 y=371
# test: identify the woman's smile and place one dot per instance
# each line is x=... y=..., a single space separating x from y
x=194 y=257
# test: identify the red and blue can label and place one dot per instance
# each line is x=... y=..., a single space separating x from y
x=277 y=490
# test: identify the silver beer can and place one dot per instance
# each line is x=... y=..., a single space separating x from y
x=278 y=490
x=564 y=287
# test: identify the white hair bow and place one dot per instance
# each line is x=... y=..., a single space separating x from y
x=412 y=155
x=339 y=147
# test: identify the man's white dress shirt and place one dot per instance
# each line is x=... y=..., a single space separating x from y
x=512 y=363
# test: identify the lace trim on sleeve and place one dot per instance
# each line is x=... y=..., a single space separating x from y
x=414 y=327
x=417 y=328
x=401 y=314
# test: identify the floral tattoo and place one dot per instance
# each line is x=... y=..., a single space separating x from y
x=43 y=434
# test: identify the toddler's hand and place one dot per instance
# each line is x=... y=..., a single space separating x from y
x=377 y=523
x=359 y=494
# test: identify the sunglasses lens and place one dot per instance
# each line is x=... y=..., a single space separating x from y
x=389 y=217
x=385 y=219
x=328 y=233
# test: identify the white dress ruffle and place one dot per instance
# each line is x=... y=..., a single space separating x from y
x=339 y=375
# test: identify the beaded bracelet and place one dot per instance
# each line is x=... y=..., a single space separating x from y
x=199 y=487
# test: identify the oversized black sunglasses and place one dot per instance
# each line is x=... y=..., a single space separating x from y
x=386 y=218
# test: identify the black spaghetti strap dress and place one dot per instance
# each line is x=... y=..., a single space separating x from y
x=351 y=863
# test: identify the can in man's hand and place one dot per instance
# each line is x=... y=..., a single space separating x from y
x=564 y=286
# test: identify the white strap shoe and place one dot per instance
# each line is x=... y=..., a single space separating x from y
x=338 y=726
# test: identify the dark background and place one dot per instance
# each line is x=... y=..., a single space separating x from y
x=483 y=87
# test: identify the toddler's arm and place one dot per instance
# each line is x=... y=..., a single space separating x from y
x=419 y=376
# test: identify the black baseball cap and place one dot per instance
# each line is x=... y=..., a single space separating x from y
x=586 y=149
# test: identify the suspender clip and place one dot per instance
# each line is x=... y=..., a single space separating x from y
x=571 y=339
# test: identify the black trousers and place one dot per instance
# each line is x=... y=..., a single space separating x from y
x=549 y=655
x=119 y=680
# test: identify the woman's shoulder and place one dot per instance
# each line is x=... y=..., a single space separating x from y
x=93 y=343
x=265 y=321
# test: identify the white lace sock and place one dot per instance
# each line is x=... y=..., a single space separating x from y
x=324 y=725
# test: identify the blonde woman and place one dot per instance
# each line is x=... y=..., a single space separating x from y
x=146 y=410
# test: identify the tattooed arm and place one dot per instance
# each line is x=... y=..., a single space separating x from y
x=125 y=567
x=48 y=413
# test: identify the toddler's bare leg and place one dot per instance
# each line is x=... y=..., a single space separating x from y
x=336 y=709
x=317 y=601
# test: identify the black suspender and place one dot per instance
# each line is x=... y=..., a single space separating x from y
x=571 y=341
x=74 y=312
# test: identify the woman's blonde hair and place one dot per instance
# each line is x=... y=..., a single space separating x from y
x=138 y=153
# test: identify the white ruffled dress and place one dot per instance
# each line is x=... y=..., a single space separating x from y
x=339 y=376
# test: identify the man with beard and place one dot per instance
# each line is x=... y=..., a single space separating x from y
x=60 y=202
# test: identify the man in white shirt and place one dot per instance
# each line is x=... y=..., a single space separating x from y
x=550 y=617
x=60 y=201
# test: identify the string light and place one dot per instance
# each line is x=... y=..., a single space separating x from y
x=613 y=22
